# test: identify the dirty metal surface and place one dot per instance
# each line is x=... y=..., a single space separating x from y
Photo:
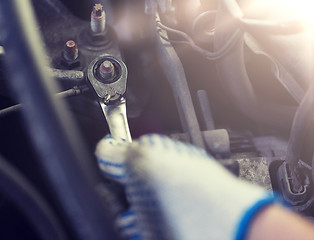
x=255 y=170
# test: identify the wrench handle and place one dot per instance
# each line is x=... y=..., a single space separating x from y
x=115 y=115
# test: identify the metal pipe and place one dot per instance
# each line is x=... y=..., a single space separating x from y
x=206 y=109
x=70 y=174
x=64 y=94
x=174 y=72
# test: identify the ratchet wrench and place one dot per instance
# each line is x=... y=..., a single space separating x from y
x=108 y=76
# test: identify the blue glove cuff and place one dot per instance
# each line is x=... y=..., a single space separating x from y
x=248 y=217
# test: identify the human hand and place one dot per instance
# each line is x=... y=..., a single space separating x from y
x=177 y=191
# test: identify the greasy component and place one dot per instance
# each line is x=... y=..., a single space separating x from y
x=174 y=72
x=111 y=89
x=70 y=76
x=116 y=118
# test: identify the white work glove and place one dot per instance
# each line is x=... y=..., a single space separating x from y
x=177 y=191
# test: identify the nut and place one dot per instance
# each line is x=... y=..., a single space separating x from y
x=106 y=70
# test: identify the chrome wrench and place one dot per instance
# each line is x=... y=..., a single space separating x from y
x=108 y=76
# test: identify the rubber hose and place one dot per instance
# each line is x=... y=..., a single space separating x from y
x=71 y=176
x=16 y=188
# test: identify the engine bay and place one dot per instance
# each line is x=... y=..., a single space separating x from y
x=226 y=76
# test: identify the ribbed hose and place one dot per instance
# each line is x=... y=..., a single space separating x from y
x=64 y=160
x=232 y=72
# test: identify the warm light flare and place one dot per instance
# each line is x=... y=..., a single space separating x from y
x=303 y=9
x=284 y=10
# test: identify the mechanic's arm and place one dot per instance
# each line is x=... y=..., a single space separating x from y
x=178 y=192
x=274 y=222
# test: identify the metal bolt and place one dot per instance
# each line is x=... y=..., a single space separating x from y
x=98 y=19
x=70 y=51
x=106 y=70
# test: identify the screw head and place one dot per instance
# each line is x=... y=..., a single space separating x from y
x=106 y=70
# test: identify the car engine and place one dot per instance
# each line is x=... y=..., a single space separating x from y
x=233 y=77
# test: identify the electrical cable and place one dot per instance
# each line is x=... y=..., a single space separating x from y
x=207 y=54
x=268 y=26
x=18 y=190
x=159 y=31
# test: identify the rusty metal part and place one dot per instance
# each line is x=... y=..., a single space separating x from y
x=98 y=19
x=106 y=70
x=70 y=51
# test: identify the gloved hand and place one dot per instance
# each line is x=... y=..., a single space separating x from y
x=177 y=191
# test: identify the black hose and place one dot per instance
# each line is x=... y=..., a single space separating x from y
x=16 y=188
x=300 y=128
x=71 y=176
x=232 y=71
